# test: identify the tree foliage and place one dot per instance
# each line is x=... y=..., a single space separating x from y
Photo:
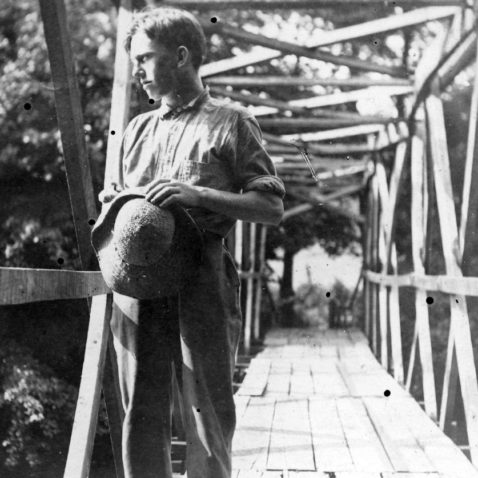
x=35 y=409
x=31 y=164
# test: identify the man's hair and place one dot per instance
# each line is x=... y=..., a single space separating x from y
x=171 y=27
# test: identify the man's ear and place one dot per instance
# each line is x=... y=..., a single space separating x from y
x=183 y=56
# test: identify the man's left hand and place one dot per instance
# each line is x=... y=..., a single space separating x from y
x=165 y=193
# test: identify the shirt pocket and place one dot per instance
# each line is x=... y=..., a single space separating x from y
x=199 y=173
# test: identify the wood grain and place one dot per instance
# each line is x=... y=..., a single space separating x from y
x=22 y=285
x=89 y=394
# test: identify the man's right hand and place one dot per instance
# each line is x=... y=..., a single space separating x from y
x=109 y=193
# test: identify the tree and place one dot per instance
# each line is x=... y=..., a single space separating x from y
x=333 y=232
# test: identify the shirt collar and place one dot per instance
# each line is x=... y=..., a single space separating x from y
x=165 y=111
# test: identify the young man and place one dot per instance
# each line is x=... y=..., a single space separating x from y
x=205 y=155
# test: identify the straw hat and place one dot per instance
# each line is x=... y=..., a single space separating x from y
x=145 y=251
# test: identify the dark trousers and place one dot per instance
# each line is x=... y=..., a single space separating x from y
x=197 y=334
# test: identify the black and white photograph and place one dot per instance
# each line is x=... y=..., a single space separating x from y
x=238 y=238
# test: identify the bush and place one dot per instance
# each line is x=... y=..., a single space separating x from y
x=36 y=409
x=312 y=303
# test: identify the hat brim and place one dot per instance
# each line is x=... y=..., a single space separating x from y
x=163 y=278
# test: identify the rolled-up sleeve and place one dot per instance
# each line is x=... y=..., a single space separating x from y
x=255 y=170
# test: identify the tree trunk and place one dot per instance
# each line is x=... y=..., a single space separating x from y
x=287 y=291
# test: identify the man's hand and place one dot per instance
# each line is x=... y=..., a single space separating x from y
x=109 y=193
x=164 y=192
x=251 y=206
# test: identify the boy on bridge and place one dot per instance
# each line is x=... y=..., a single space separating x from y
x=206 y=156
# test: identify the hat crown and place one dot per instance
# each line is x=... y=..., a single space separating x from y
x=143 y=233
x=145 y=251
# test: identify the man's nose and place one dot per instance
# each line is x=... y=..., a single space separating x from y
x=138 y=72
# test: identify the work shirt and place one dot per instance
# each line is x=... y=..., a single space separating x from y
x=208 y=143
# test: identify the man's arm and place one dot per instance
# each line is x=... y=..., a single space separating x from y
x=251 y=206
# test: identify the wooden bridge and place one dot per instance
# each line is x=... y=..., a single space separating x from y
x=314 y=404
x=318 y=404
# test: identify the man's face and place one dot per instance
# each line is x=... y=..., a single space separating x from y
x=154 y=66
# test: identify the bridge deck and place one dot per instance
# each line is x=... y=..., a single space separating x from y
x=313 y=405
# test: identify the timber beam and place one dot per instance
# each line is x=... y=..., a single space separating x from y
x=360 y=30
x=296 y=163
x=461 y=58
x=330 y=134
x=382 y=25
x=319 y=200
x=336 y=149
x=385 y=25
x=215 y=5
x=299 y=125
x=251 y=99
x=339 y=98
x=337 y=173
x=265 y=81
x=276 y=105
x=279 y=149
x=291 y=48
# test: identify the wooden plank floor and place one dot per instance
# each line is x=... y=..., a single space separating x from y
x=313 y=405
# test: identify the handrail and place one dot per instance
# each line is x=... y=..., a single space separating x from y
x=22 y=285
x=437 y=283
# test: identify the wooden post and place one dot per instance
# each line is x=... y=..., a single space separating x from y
x=368 y=287
x=121 y=93
x=83 y=204
x=450 y=384
x=251 y=250
x=401 y=154
x=388 y=296
x=417 y=210
x=70 y=123
x=230 y=241
x=460 y=58
x=382 y=290
x=260 y=281
x=374 y=258
x=238 y=241
x=468 y=233
x=119 y=116
x=86 y=414
x=412 y=359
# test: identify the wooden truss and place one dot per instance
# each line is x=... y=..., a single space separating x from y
x=425 y=153
x=352 y=145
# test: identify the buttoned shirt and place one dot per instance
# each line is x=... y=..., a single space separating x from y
x=207 y=142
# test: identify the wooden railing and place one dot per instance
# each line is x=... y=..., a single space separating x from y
x=424 y=158
x=248 y=243
x=19 y=286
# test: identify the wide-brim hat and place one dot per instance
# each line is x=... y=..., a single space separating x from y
x=145 y=251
